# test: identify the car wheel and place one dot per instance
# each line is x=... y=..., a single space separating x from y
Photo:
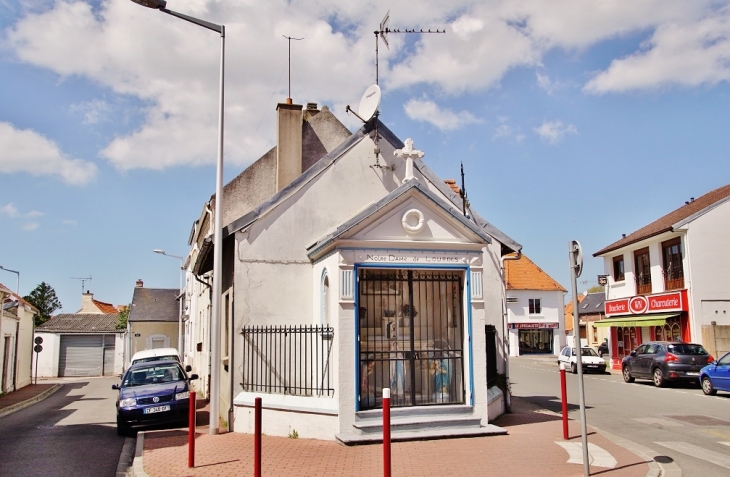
x=707 y=387
x=627 y=375
x=122 y=428
x=658 y=378
x=573 y=368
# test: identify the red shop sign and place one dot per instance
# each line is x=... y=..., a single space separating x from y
x=674 y=301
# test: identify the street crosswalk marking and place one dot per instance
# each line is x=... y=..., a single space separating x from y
x=699 y=452
x=597 y=456
x=725 y=443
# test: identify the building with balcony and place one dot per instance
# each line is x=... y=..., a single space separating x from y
x=668 y=280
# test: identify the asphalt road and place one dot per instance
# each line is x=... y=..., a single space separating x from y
x=679 y=421
x=72 y=432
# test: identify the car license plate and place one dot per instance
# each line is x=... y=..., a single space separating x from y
x=690 y=373
x=151 y=410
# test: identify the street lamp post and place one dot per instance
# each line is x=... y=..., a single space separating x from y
x=217 y=232
x=180 y=347
x=17 y=283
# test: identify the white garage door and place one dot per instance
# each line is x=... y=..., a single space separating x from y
x=81 y=355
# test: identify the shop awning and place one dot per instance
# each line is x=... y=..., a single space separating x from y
x=657 y=319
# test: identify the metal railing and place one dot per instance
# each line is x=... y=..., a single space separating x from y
x=673 y=277
x=291 y=360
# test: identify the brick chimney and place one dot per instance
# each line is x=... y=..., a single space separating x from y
x=139 y=284
x=288 y=143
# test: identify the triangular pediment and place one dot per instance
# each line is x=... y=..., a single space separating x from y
x=413 y=219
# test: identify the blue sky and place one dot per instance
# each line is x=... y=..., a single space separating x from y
x=574 y=119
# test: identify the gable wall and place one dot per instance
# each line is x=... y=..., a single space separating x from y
x=709 y=262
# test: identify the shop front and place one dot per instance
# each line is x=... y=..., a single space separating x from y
x=534 y=338
x=642 y=318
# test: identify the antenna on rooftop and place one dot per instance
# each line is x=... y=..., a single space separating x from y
x=83 y=282
x=462 y=193
x=290 y=38
x=384 y=30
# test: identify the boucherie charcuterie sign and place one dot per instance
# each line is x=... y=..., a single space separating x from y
x=637 y=305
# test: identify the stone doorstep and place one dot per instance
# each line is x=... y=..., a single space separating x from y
x=418 y=422
x=397 y=412
x=352 y=438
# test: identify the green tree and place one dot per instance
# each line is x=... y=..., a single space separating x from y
x=44 y=298
x=595 y=289
x=122 y=320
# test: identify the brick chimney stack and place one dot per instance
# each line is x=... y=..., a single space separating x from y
x=139 y=283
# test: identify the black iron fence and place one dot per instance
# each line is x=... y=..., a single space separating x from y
x=287 y=360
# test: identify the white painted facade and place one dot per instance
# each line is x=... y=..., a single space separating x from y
x=48 y=359
x=705 y=261
x=297 y=263
x=551 y=316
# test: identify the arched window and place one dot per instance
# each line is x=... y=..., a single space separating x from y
x=324 y=318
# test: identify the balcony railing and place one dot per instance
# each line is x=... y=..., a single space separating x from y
x=674 y=278
x=287 y=360
x=643 y=284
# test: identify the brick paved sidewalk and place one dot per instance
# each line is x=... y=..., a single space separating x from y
x=529 y=449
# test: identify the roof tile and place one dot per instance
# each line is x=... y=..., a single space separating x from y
x=523 y=274
x=664 y=224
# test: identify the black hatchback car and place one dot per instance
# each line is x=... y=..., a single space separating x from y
x=665 y=361
x=152 y=393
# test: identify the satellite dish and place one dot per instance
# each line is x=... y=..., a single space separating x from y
x=369 y=103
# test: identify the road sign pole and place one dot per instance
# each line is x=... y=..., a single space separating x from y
x=575 y=255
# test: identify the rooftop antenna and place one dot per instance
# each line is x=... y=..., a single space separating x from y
x=83 y=281
x=384 y=30
x=462 y=193
x=290 y=38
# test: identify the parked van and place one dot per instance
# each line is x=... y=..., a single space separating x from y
x=155 y=355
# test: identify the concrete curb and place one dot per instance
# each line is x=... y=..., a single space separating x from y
x=22 y=405
x=125 y=458
x=656 y=468
x=137 y=469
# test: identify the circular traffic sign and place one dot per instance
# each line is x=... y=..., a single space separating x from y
x=38 y=348
x=38 y=340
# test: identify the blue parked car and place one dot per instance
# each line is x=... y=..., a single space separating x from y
x=716 y=376
x=152 y=393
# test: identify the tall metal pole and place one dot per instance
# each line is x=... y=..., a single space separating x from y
x=215 y=352
x=215 y=329
x=17 y=282
x=572 y=253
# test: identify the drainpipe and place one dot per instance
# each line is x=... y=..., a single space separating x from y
x=505 y=338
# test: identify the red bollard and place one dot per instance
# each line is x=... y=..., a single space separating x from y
x=564 y=400
x=386 y=432
x=191 y=430
x=257 y=439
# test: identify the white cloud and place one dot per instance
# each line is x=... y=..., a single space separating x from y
x=172 y=66
x=27 y=151
x=93 y=111
x=685 y=54
x=553 y=131
x=507 y=131
x=444 y=119
x=10 y=210
x=69 y=222
x=30 y=226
